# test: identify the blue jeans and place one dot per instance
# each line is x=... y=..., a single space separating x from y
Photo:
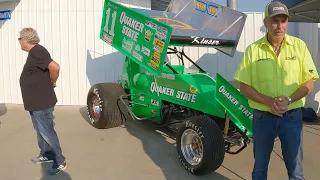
x=48 y=141
x=266 y=127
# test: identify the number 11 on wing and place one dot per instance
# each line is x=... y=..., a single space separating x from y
x=106 y=26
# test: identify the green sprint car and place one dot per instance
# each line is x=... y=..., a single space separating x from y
x=208 y=114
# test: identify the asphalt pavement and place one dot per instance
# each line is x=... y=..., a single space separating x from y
x=137 y=150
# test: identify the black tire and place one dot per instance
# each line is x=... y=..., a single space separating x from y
x=213 y=144
x=108 y=99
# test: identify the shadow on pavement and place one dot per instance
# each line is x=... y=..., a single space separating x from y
x=84 y=113
x=159 y=145
x=312 y=127
x=317 y=122
x=3 y=109
x=61 y=176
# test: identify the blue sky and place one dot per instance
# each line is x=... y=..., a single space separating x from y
x=247 y=5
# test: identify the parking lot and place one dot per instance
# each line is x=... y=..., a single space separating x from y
x=134 y=151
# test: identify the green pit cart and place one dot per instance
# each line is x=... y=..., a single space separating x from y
x=208 y=114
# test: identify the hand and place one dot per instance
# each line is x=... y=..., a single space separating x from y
x=282 y=101
x=277 y=106
x=281 y=104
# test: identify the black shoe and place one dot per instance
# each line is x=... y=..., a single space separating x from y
x=41 y=159
x=57 y=168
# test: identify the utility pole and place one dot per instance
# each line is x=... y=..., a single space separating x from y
x=233 y=4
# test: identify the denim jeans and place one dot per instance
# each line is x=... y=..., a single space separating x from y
x=48 y=141
x=266 y=127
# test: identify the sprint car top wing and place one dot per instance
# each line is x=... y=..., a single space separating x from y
x=144 y=35
x=201 y=23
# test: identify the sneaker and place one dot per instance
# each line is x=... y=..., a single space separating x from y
x=56 y=169
x=41 y=159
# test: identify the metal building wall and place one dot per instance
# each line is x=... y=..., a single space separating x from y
x=70 y=31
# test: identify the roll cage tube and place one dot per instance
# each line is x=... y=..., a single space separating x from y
x=180 y=55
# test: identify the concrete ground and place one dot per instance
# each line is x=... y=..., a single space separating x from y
x=136 y=151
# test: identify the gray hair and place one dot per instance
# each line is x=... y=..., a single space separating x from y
x=30 y=35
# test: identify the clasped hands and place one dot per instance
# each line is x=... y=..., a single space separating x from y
x=278 y=105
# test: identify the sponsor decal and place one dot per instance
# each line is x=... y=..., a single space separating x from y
x=158 y=43
x=5 y=15
x=145 y=51
x=155 y=59
x=212 y=9
x=291 y=58
x=235 y=102
x=160 y=36
x=154 y=112
x=168 y=76
x=163 y=30
x=193 y=90
x=278 y=9
x=264 y=59
x=132 y=28
x=156 y=49
x=154 y=102
x=137 y=55
x=204 y=41
x=181 y=95
x=151 y=25
x=125 y=77
x=137 y=48
x=147 y=35
x=113 y=6
x=208 y=8
x=152 y=66
x=201 y=6
x=107 y=38
x=127 y=45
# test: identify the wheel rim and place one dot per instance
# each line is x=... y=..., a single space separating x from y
x=95 y=104
x=192 y=147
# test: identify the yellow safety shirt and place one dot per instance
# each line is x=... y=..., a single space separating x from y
x=276 y=76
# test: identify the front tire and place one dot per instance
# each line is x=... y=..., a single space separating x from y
x=102 y=105
x=200 y=145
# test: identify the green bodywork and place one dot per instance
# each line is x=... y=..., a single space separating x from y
x=151 y=86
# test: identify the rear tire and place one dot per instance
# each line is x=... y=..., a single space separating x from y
x=208 y=148
x=102 y=105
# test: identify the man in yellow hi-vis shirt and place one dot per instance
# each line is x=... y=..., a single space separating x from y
x=276 y=74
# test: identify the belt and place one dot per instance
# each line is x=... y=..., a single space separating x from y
x=288 y=112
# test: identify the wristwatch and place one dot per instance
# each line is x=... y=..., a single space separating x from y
x=289 y=99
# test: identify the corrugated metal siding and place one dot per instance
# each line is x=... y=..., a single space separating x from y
x=70 y=31
x=310 y=33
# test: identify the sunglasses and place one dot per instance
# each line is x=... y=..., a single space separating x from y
x=19 y=38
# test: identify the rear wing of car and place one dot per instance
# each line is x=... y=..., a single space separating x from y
x=202 y=23
x=144 y=35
